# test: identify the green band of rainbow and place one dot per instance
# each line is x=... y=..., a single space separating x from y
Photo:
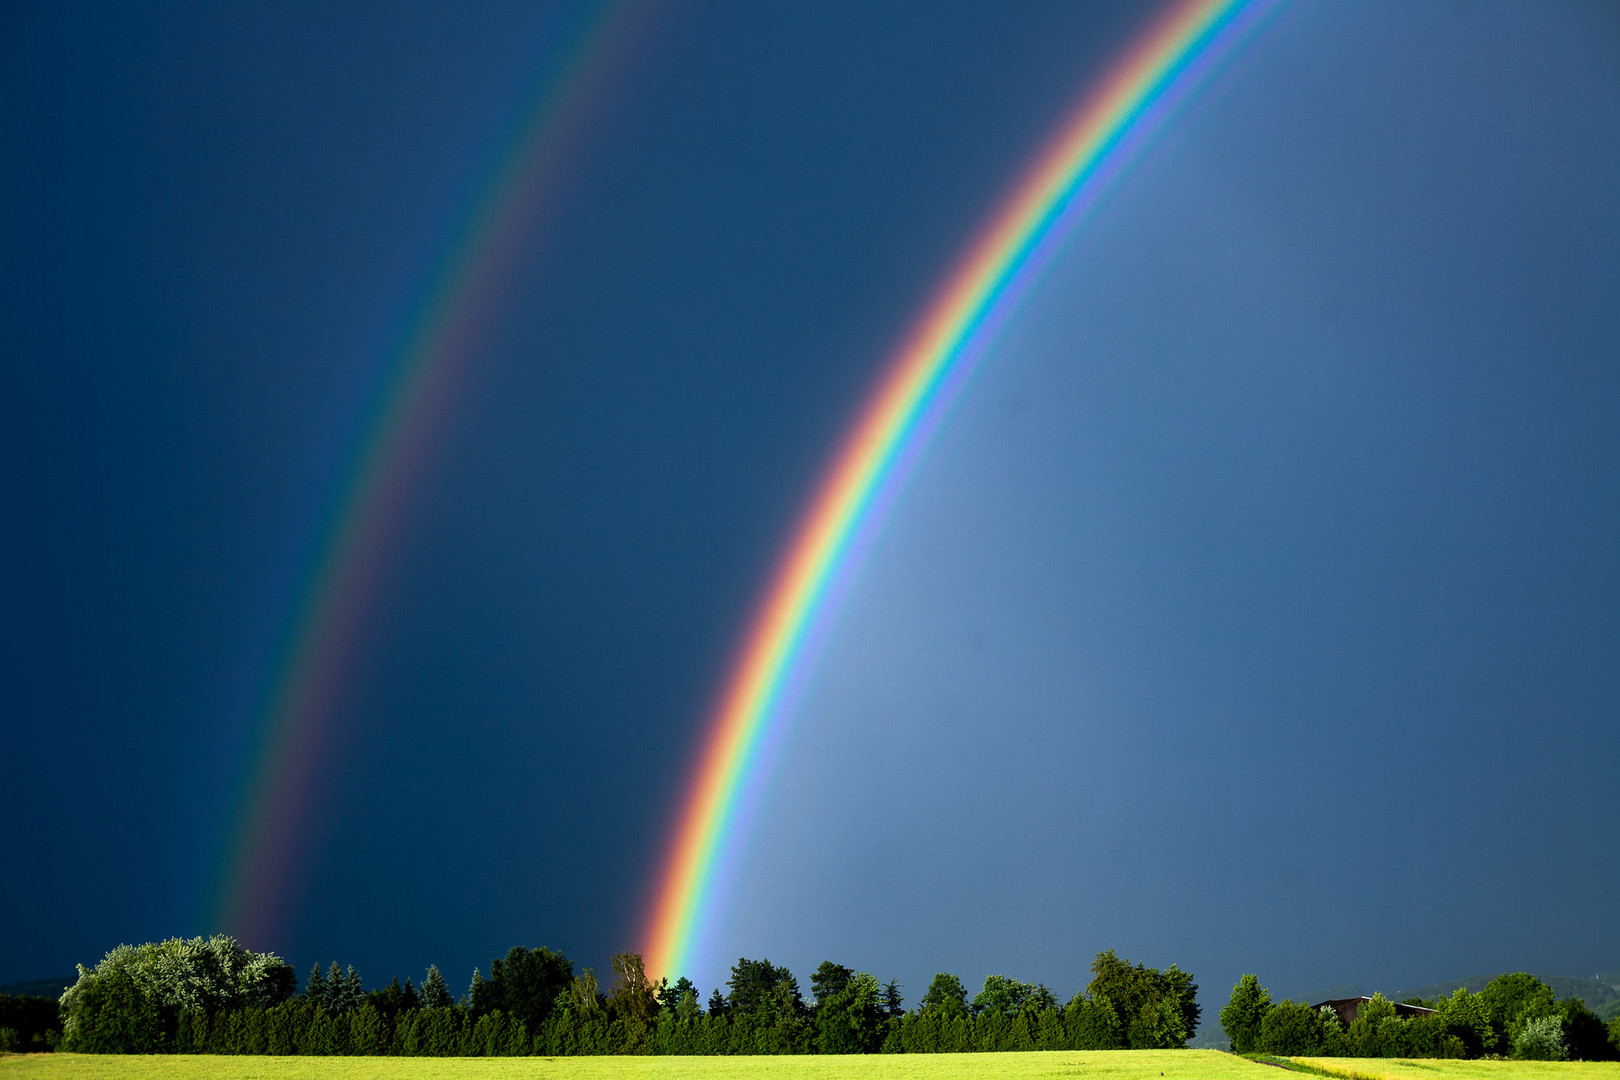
x=1174 y=55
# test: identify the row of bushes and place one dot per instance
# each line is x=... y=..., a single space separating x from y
x=213 y=996
x=1516 y=1015
x=298 y=1028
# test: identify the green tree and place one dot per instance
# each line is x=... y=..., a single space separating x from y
x=110 y=1012
x=850 y=1020
x=670 y=994
x=526 y=984
x=1093 y=1023
x=479 y=996
x=1003 y=996
x=1540 y=1038
x=1181 y=992
x=632 y=998
x=1512 y=1000
x=1158 y=1009
x=1466 y=1016
x=158 y=981
x=829 y=979
x=435 y=994
x=368 y=1031
x=1245 y=1010
x=1583 y=1031
x=894 y=1005
x=347 y=992
x=1290 y=1027
x=316 y=989
x=335 y=988
x=946 y=996
x=1364 y=1035
x=393 y=999
x=756 y=987
x=583 y=997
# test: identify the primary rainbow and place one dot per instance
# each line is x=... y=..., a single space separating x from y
x=1064 y=181
x=260 y=876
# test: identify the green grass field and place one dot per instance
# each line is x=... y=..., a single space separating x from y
x=1402 y=1069
x=1093 y=1065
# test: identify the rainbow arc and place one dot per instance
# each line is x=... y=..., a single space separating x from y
x=1064 y=181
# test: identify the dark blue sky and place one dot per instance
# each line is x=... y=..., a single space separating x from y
x=1257 y=609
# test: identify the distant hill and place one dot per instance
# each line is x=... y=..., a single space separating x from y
x=51 y=988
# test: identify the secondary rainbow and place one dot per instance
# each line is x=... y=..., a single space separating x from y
x=920 y=380
x=416 y=388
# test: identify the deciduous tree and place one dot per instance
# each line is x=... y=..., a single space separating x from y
x=945 y=996
x=1244 y=1011
x=632 y=998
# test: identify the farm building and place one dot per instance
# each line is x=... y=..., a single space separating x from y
x=1347 y=1008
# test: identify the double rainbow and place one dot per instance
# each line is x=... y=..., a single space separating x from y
x=921 y=379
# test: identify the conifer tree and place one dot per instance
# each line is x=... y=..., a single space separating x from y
x=343 y=993
x=368 y=1034
x=474 y=988
x=318 y=988
x=893 y=1005
x=334 y=988
x=435 y=994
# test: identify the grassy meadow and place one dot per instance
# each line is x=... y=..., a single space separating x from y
x=1091 y=1064
x=1427 y=1069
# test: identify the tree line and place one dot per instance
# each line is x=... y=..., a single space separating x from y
x=213 y=996
x=1515 y=1016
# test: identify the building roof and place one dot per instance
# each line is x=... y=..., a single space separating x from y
x=1348 y=1008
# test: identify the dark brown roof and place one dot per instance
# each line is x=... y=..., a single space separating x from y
x=1347 y=1008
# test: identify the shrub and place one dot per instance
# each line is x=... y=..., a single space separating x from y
x=111 y=1014
x=1541 y=1039
x=1289 y=1028
x=132 y=1000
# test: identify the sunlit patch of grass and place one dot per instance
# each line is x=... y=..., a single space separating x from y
x=1429 y=1069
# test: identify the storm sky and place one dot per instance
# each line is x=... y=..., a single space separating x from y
x=1256 y=608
